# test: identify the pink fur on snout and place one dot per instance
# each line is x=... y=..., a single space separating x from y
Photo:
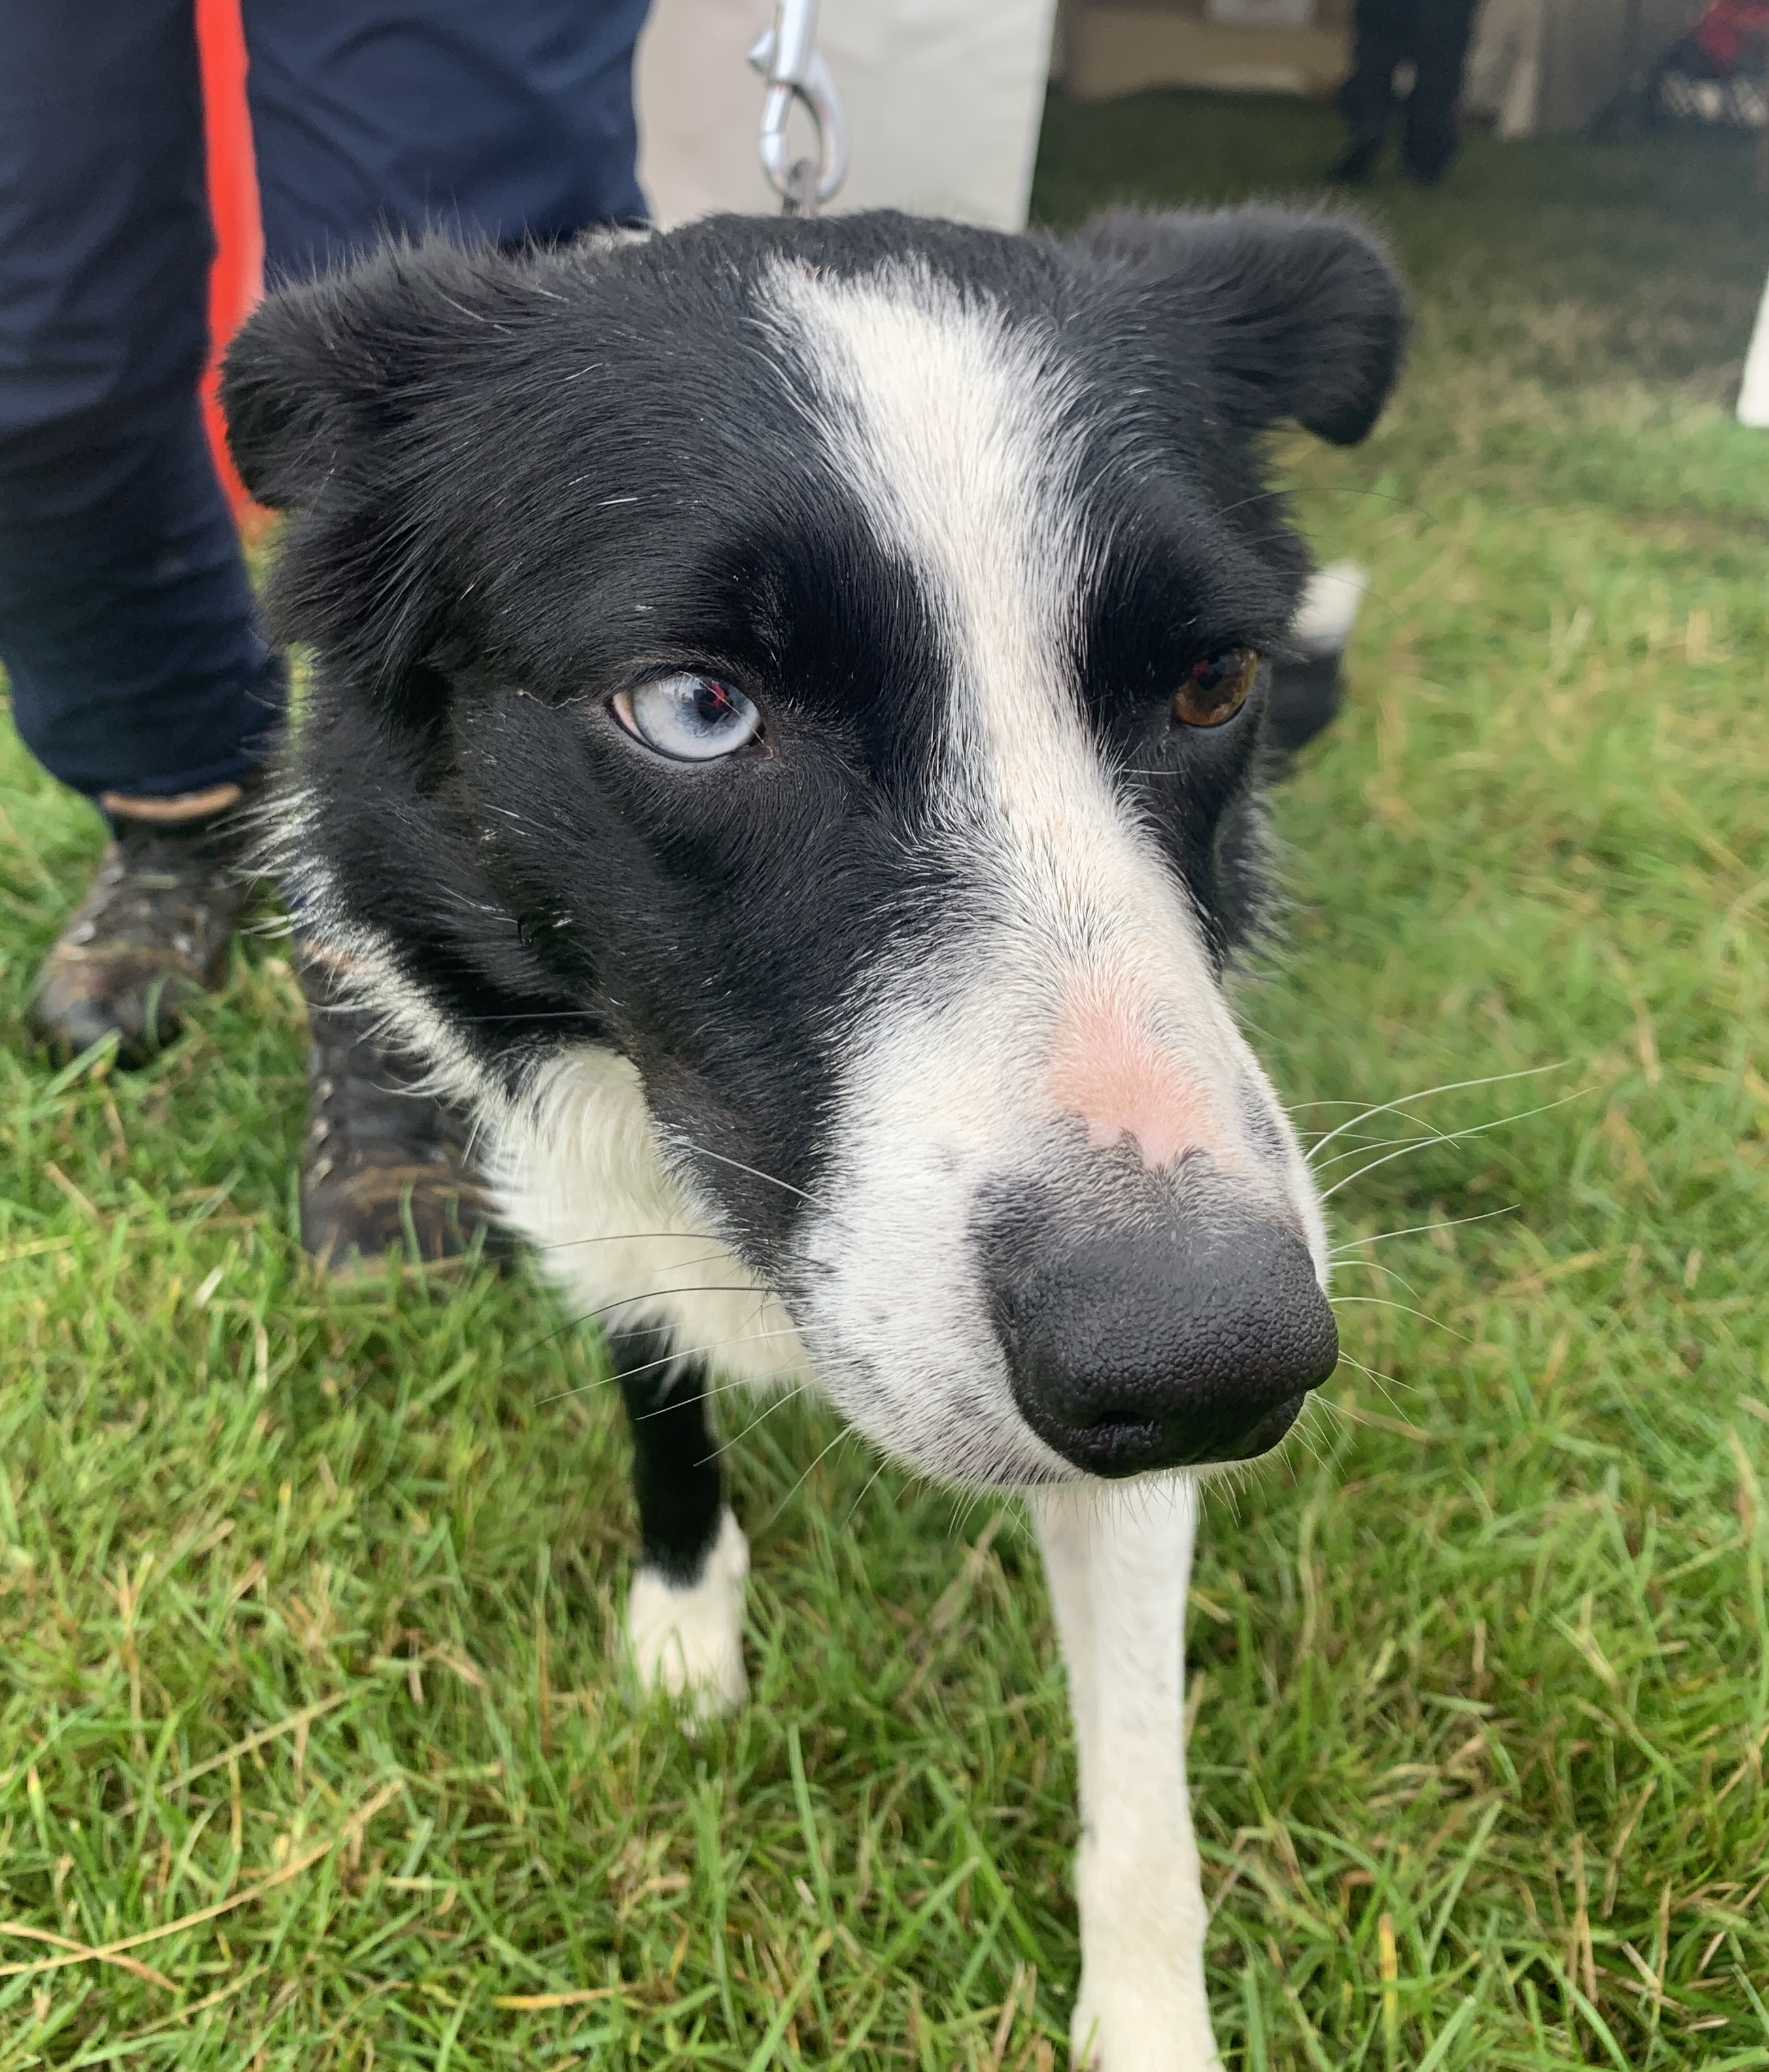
x=1107 y=1070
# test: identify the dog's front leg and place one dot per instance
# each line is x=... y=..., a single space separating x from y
x=684 y=1618
x=1118 y=1559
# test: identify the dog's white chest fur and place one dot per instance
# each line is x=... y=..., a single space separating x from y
x=578 y=1169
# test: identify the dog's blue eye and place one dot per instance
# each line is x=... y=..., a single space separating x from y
x=691 y=719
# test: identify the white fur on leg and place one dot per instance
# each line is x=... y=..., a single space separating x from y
x=687 y=1637
x=1118 y=1560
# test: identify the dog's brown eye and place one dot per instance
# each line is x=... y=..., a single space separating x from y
x=690 y=719
x=1215 y=689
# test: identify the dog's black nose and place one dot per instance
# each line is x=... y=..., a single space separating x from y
x=1161 y=1346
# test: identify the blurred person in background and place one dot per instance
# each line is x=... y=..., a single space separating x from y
x=139 y=676
x=1431 y=37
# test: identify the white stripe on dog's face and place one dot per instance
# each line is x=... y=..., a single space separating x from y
x=1079 y=1007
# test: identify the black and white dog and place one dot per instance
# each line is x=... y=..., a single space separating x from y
x=783 y=744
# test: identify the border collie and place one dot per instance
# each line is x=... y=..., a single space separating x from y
x=783 y=745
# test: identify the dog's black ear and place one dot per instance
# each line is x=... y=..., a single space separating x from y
x=1299 y=315
x=296 y=378
x=323 y=372
x=332 y=390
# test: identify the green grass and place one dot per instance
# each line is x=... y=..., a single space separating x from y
x=308 y=1598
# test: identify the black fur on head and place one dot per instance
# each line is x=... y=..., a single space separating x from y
x=521 y=485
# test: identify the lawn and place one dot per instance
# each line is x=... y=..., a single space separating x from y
x=308 y=1596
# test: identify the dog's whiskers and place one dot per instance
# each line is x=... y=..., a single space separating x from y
x=536 y=1014
x=1428 y=1093
x=884 y=1462
x=1382 y=1302
x=625 y=1301
x=971 y=1501
x=1384 y=1382
x=1373 y=1266
x=1305 y=1437
x=1360 y=1144
x=743 y=1385
x=767 y=1411
x=630 y=1237
x=1347 y=1250
x=1332 y=1409
x=755 y=1173
x=847 y=1431
x=1452 y=1136
x=669 y=1359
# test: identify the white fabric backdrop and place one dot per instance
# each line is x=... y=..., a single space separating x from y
x=943 y=98
x=1545 y=67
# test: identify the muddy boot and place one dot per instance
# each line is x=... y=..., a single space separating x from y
x=151 y=935
x=384 y=1166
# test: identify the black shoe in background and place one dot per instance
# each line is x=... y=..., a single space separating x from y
x=1358 y=162
x=1426 y=159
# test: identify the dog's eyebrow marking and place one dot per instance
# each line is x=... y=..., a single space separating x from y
x=958 y=431
x=950 y=426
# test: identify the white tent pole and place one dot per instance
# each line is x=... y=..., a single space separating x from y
x=1754 y=390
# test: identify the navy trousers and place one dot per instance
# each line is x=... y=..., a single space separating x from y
x=1433 y=35
x=126 y=622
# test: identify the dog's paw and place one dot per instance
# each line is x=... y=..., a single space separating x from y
x=686 y=1638
x=1125 y=2028
x=1142 y=2006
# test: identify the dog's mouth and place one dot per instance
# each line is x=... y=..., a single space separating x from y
x=1116 y=1447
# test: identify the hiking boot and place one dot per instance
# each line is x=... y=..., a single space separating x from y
x=151 y=935
x=384 y=1165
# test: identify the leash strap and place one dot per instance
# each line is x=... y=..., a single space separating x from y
x=786 y=56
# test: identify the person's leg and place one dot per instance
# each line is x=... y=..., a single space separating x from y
x=137 y=673
x=1440 y=51
x=1380 y=39
x=125 y=621
x=507 y=121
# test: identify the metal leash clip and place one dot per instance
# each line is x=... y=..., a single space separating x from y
x=787 y=57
